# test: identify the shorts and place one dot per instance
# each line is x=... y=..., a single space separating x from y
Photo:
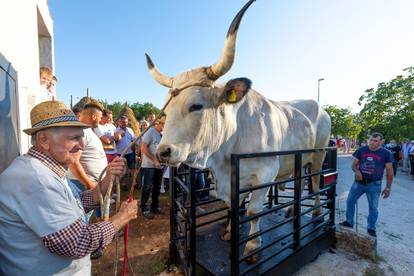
x=130 y=158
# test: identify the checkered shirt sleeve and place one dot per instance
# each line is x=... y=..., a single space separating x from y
x=79 y=239
x=86 y=198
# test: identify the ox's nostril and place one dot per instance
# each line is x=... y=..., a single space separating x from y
x=166 y=153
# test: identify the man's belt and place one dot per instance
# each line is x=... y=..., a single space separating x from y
x=364 y=181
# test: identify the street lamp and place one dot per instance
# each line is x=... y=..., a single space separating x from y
x=319 y=86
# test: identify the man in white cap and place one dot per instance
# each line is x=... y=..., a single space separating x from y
x=43 y=230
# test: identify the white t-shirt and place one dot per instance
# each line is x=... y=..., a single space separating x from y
x=106 y=130
x=151 y=138
x=34 y=203
x=45 y=95
x=92 y=158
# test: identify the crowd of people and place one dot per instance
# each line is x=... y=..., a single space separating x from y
x=47 y=195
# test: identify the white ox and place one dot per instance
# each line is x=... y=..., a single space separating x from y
x=207 y=123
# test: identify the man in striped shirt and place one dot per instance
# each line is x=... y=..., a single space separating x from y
x=43 y=230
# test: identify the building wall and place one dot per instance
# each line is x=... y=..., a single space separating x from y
x=26 y=41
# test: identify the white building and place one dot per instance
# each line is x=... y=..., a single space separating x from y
x=26 y=44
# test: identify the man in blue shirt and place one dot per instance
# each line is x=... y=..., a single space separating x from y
x=368 y=165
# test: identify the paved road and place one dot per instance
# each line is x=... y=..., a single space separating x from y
x=395 y=229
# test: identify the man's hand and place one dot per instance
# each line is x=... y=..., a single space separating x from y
x=358 y=175
x=386 y=192
x=117 y=167
x=128 y=211
x=157 y=164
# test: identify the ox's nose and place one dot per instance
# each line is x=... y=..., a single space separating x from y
x=163 y=153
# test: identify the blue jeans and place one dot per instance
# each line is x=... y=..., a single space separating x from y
x=151 y=185
x=372 y=191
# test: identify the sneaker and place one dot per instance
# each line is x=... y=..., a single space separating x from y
x=346 y=224
x=158 y=211
x=97 y=254
x=148 y=215
x=372 y=233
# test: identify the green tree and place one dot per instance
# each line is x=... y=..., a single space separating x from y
x=115 y=108
x=141 y=110
x=344 y=122
x=389 y=108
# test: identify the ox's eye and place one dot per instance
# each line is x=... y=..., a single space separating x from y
x=195 y=107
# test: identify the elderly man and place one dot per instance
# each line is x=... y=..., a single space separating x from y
x=43 y=229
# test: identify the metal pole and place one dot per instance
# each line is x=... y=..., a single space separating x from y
x=173 y=195
x=192 y=229
x=234 y=215
x=319 y=85
x=297 y=202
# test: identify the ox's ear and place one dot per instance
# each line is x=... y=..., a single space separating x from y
x=236 y=89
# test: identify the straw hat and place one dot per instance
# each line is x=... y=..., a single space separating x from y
x=52 y=114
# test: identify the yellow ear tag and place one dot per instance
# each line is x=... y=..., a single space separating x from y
x=233 y=96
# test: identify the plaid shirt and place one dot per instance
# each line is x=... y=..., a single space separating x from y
x=78 y=239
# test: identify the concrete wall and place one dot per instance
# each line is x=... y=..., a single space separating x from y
x=26 y=41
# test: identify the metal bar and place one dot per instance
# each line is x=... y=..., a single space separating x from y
x=205 y=189
x=257 y=250
x=286 y=196
x=262 y=261
x=234 y=215
x=264 y=231
x=192 y=226
x=296 y=205
x=315 y=229
x=212 y=212
x=172 y=257
x=263 y=213
x=279 y=153
x=182 y=184
x=313 y=220
x=208 y=201
x=316 y=193
x=331 y=194
x=274 y=183
x=211 y=221
x=313 y=207
x=276 y=197
x=270 y=196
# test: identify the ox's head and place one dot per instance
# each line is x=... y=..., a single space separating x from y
x=195 y=113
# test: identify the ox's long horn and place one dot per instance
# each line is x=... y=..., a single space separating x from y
x=227 y=57
x=157 y=75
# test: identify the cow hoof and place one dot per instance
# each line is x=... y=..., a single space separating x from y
x=288 y=213
x=315 y=215
x=253 y=259
x=226 y=236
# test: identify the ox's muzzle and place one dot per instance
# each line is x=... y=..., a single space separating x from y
x=163 y=153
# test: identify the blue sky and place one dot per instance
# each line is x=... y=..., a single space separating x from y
x=282 y=46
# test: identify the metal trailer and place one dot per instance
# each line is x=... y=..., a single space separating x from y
x=287 y=243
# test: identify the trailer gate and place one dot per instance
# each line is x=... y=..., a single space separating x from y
x=287 y=243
